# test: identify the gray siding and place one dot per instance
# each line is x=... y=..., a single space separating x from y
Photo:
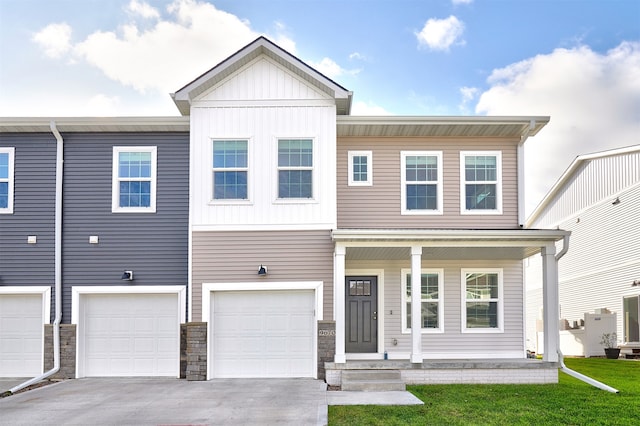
x=153 y=245
x=379 y=206
x=226 y=257
x=23 y=264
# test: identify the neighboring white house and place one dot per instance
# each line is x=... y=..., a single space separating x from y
x=598 y=200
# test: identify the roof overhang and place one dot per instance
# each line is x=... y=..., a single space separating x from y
x=515 y=127
x=261 y=46
x=94 y=124
x=442 y=244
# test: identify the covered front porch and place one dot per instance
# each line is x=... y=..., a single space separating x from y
x=468 y=287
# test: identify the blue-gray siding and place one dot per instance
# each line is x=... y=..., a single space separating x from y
x=153 y=245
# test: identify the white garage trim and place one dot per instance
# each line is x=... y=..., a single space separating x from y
x=208 y=288
x=45 y=318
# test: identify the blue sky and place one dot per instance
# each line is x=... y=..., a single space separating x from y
x=577 y=61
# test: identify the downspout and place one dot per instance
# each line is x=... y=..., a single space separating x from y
x=563 y=367
x=57 y=264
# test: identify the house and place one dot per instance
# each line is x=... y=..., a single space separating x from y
x=597 y=199
x=298 y=246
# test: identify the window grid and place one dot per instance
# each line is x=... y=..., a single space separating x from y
x=295 y=168
x=480 y=189
x=6 y=180
x=430 y=300
x=230 y=170
x=134 y=180
x=422 y=182
x=482 y=300
x=360 y=168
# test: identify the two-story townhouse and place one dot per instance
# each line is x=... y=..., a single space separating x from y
x=292 y=237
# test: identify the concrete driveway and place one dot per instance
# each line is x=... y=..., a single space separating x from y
x=155 y=401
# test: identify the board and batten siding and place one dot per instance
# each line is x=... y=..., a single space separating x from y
x=153 y=245
x=23 y=264
x=379 y=205
x=452 y=343
x=235 y=256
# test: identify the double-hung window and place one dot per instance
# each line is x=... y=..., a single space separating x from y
x=295 y=168
x=481 y=182
x=421 y=189
x=230 y=170
x=360 y=168
x=6 y=180
x=134 y=179
x=482 y=300
x=431 y=300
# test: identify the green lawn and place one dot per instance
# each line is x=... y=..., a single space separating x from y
x=570 y=402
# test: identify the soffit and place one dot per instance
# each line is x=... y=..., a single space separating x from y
x=94 y=124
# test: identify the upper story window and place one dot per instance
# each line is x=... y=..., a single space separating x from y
x=481 y=182
x=482 y=300
x=295 y=168
x=134 y=179
x=230 y=170
x=360 y=168
x=6 y=180
x=421 y=182
x=431 y=300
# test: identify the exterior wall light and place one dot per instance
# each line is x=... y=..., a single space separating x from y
x=262 y=270
x=127 y=276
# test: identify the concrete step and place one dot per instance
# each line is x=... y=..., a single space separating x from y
x=372 y=380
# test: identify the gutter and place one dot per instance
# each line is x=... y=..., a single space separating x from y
x=563 y=367
x=57 y=263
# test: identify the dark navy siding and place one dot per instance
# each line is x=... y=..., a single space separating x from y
x=23 y=264
x=153 y=245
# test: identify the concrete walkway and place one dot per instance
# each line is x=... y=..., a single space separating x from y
x=372 y=398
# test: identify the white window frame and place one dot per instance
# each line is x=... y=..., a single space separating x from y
x=403 y=300
x=369 y=156
x=499 y=300
x=249 y=198
x=314 y=185
x=9 y=179
x=624 y=325
x=403 y=184
x=115 y=190
x=497 y=182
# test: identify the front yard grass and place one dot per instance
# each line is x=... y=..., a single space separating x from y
x=570 y=402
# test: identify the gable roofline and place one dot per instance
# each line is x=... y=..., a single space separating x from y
x=570 y=172
x=261 y=46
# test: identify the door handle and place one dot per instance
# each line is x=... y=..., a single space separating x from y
x=375 y=315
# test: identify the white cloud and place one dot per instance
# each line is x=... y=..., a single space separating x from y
x=456 y=2
x=103 y=105
x=357 y=56
x=593 y=100
x=54 y=39
x=441 y=34
x=468 y=94
x=143 y=9
x=368 y=108
x=330 y=68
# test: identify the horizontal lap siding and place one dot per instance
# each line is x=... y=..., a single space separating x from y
x=226 y=257
x=453 y=341
x=23 y=264
x=379 y=206
x=153 y=245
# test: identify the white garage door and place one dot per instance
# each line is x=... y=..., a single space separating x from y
x=21 y=335
x=263 y=333
x=129 y=335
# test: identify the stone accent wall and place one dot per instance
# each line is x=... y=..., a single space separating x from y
x=326 y=345
x=194 y=347
x=67 y=351
x=183 y=351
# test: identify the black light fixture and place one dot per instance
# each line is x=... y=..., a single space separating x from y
x=616 y=201
x=635 y=283
x=127 y=276
x=262 y=270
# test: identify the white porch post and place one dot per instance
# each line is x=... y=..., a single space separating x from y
x=339 y=296
x=550 y=303
x=416 y=304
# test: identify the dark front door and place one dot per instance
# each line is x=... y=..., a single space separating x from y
x=361 y=314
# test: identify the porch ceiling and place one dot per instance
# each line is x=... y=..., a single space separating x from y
x=441 y=253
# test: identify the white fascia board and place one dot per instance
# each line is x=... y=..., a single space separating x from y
x=519 y=236
x=94 y=124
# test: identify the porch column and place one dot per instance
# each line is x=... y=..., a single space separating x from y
x=416 y=304
x=339 y=296
x=550 y=303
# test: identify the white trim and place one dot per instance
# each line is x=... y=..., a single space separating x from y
x=452 y=356
x=115 y=179
x=208 y=288
x=232 y=201
x=498 y=183
x=403 y=183
x=369 y=157
x=404 y=272
x=9 y=179
x=379 y=273
x=268 y=227
x=313 y=169
x=500 y=301
x=45 y=291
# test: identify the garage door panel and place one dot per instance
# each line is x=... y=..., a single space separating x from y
x=258 y=333
x=21 y=334
x=131 y=334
